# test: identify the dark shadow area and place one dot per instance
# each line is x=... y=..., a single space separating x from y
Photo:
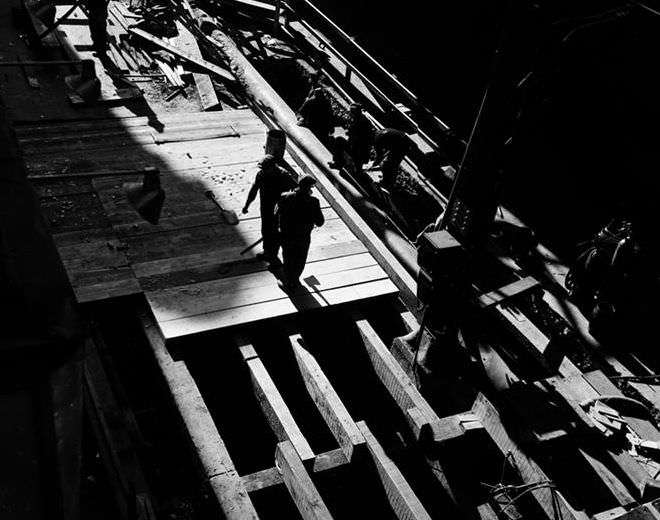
x=162 y=443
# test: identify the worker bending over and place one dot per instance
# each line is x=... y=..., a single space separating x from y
x=270 y=182
x=360 y=134
x=316 y=114
x=297 y=213
x=390 y=147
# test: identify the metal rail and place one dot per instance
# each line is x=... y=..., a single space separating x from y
x=410 y=97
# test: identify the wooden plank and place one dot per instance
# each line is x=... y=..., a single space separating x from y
x=206 y=91
x=239 y=291
x=216 y=151
x=551 y=501
x=272 y=309
x=274 y=408
x=199 y=262
x=52 y=129
x=107 y=290
x=226 y=242
x=211 y=270
x=300 y=485
x=209 y=447
x=203 y=64
x=503 y=293
x=134 y=136
x=30 y=132
x=205 y=161
x=327 y=401
x=402 y=498
x=207 y=95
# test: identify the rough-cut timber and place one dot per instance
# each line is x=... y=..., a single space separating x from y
x=402 y=498
x=209 y=448
x=300 y=485
x=549 y=499
x=272 y=404
x=334 y=412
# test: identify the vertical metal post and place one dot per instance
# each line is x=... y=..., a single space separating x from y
x=474 y=197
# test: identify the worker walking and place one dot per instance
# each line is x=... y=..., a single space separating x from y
x=360 y=135
x=316 y=114
x=297 y=214
x=390 y=147
x=270 y=182
x=97 y=14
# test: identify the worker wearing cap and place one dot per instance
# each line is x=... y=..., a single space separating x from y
x=390 y=147
x=270 y=182
x=316 y=114
x=297 y=214
x=360 y=135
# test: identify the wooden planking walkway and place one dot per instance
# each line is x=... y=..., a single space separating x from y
x=189 y=266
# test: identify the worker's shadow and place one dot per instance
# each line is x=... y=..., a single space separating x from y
x=301 y=296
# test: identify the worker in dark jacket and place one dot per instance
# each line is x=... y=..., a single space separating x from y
x=360 y=135
x=297 y=212
x=390 y=147
x=97 y=14
x=270 y=182
x=316 y=114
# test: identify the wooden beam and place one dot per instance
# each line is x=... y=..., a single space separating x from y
x=207 y=95
x=300 y=485
x=609 y=480
x=642 y=512
x=326 y=461
x=420 y=416
x=262 y=479
x=327 y=401
x=409 y=321
x=503 y=293
x=400 y=495
x=273 y=406
x=199 y=62
x=216 y=463
x=550 y=501
x=536 y=341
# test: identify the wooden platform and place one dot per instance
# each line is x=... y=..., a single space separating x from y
x=189 y=266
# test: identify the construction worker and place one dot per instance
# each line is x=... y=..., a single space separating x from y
x=97 y=14
x=390 y=147
x=270 y=182
x=297 y=214
x=316 y=114
x=360 y=135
